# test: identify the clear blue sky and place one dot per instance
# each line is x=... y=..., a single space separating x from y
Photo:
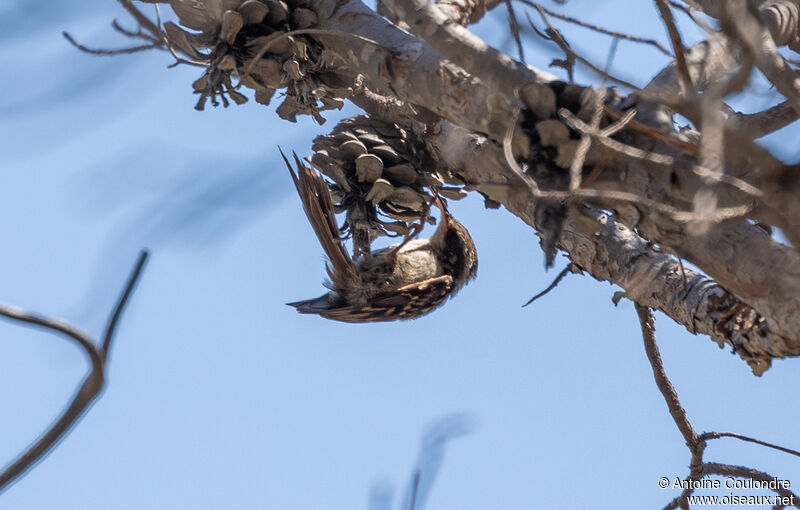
x=221 y=397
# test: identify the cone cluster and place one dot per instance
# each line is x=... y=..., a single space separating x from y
x=379 y=178
x=246 y=40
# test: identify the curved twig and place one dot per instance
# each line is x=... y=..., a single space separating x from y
x=564 y=272
x=90 y=388
x=599 y=29
x=716 y=435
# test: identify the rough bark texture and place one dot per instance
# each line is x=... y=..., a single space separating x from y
x=603 y=176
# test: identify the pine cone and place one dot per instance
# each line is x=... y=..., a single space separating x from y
x=379 y=181
x=246 y=39
x=400 y=282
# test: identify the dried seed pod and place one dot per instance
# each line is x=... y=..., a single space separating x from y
x=400 y=213
x=382 y=163
x=566 y=153
x=408 y=197
x=399 y=228
x=332 y=103
x=371 y=139
x=552 y=132
x=237 y=97
x=331 y=168
x=315 y=81
x=540 y=98
x=190 y=15
x=304 y=18
x=179 y=39
x=232 y=22
x=264 y=95
x=292 y=68
x=453 y=193
x=430 y=180
x=278 y=12
x=369 y=167
x=352 y=149
x=301 y=51
x=228 y=63
x=253 y=12
x=267 y=73
x=344 y=136
x=380 y=191
x=401 y=174
x=386 y=153
x=200 y=83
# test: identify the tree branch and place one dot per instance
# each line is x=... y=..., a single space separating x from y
x=89 y=389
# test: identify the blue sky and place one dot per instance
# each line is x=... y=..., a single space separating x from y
x=221 y=397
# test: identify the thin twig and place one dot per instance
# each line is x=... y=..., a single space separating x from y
x=111 y=327
x=660 y=159
x=571 y=55
x=582 y=194
x=668 y=138
x=616 y=35
x=564 y=272
x=118 y=51
x=612 y=54
x=514 y=26
x=662 y=381
x=716 y=435
x=89 y=389
x=165 y=38
x=585 y=142
x=133 y=35
x=689 y=11
x=765 y=122
x=143 y=20
x=695 y=442
x=677 y=44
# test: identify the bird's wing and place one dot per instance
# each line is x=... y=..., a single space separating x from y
x=407 y=302
x=317 y=204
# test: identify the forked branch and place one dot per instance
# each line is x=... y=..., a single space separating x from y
x=89 y=389
x=697 y=443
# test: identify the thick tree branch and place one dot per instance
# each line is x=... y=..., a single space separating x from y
x=610 y=251
x=658 y=193
x=412 y=71
x=765 y=122
x=466 y=12
x=494 y=68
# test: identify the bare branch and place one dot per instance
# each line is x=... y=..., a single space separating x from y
x=662 y=381
x=601 y=30
x=118 y=51
x=765 y=122
x=466 y=12
x=89 y=389
x=564 y=272
x=677 y=44
x=706 y=436
x=556 y=37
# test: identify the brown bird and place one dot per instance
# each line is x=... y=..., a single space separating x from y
x=403 y=281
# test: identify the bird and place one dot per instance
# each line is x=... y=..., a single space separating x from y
x=402 y=281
